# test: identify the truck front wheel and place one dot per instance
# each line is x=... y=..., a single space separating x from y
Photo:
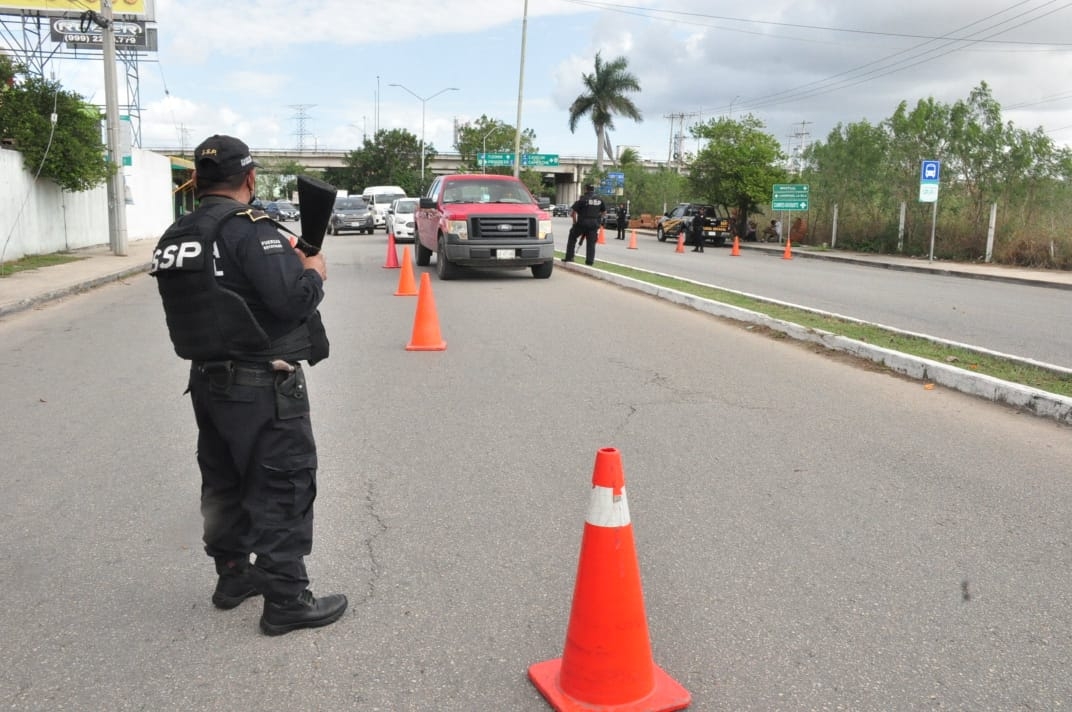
x=420 y=252
x=444 y=268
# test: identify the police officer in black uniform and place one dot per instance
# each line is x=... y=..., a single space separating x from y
x=241 y=304
x=587 y=214
x=622 y=215
x=697 y=226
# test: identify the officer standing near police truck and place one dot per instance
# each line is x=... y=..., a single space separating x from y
x=241 y=304
x=587 y=212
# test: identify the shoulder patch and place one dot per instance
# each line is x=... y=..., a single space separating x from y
x=272 y=245
x=253 y=214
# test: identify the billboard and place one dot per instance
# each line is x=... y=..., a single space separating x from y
x=142 y=9
x=75 y=33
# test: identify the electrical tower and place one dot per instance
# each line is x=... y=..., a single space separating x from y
x=300 y=116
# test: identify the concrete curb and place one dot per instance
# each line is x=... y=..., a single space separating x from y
x=85 y=286
x=1031 y=400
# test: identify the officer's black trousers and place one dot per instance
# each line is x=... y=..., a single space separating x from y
x=258 y=483
x=590 y=230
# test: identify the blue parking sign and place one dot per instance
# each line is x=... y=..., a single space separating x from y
x=929 y=171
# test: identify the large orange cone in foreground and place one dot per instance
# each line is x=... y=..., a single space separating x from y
x=392 y=252
x=788 y=254
x=680 y=242
x=632 y=240
x=407 y=287
x=607 y=664
x=426 y=322
x=736 y=251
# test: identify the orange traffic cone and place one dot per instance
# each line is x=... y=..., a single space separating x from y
x=788 y=254
x=607 y=663
x=602 y=236
x=392 y=253
x=426 y=323
x=680 y=242
x=406 y=286
x=736 y=251
x=632 y=240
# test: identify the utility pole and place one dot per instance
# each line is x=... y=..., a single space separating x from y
x=677 y=139
x=117 y=203
x=520 y=93
x=803 y=136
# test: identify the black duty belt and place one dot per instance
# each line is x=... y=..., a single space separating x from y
x=241 y=373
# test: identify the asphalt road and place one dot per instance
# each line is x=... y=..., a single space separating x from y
x=811 y=534
x=1009 y=318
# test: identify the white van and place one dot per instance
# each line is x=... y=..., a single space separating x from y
x=379 y=199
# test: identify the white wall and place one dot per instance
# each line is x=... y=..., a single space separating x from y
x=38 y=218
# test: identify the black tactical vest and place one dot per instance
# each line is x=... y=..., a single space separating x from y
x=591 y=208
x=206 y=322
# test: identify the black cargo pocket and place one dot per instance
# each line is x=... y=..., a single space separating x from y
x=289 y=489
x=291 y=396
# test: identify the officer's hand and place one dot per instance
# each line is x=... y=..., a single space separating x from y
x=315 y=263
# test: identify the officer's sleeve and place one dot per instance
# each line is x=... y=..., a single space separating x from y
x=275 y=272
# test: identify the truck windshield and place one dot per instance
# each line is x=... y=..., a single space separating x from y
x=490 y=192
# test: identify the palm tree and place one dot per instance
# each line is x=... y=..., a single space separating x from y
x=604 y=96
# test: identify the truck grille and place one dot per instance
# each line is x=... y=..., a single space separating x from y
x=489 y=227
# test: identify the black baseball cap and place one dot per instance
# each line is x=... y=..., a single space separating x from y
x=219 y=157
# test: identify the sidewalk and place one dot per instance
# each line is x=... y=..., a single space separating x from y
x=1001 y=273
x=26 y=290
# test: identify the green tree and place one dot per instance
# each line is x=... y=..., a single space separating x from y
x=606 y=94
x=628 y=157
x=277 y=180
x=71 y=151
x=737 y=166
x=391 y=157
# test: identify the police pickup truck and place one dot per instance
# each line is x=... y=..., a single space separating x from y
x=718 y=228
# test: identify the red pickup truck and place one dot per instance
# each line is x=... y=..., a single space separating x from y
x=484 y=221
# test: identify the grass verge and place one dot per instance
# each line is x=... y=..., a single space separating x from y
x=36 y=262
x=967 y=359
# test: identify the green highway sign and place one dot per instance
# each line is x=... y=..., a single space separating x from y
x=789 y=196
x=497 y=160
x=539 y=159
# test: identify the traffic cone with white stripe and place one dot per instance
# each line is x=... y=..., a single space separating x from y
x=680 y=242
x=607 y=663
x=632 y=241
x=602 y=240
x=788 y=254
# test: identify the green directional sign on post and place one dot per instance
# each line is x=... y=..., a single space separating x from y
x=790 y=196
x=539 y=159
x=495 y=160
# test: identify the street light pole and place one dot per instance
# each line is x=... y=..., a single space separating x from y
x=424 y=101
x=484 y=160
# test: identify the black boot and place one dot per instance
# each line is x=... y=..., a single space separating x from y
x=305 y=611
x=233 y=586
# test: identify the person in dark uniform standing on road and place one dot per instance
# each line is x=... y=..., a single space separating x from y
x=241 y=303
x=587 y=214
x=697 y=230
x=622 y=216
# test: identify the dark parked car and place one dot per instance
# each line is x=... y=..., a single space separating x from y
x=352 y=214
x=282 y=210
x=561 y=210
x=717 y=226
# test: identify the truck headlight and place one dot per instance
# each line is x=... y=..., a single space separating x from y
x=545 y=230
x=459 y=228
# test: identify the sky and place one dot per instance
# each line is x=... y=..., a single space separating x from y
x=323 y=74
